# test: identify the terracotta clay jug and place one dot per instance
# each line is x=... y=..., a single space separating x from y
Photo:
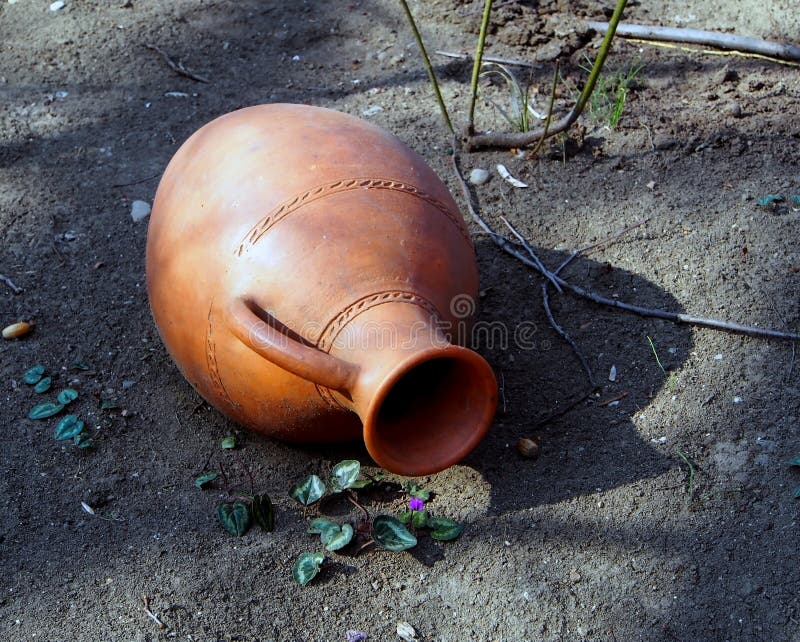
x=306 y=271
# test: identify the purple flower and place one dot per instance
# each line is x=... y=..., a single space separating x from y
x=355 y=636
x=416 y=504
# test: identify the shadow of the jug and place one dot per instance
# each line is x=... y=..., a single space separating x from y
x=595 y=445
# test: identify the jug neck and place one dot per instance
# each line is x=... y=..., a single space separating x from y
x=423 y=402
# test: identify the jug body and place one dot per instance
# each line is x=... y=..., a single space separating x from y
x=302 y=266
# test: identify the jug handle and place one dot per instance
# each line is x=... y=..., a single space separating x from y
x=305 y=361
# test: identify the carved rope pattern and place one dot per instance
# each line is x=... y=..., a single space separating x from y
x=334 y=327
x=211 y=361
x=293 y=204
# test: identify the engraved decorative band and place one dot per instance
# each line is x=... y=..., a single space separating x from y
x=211 y=361
x=291 y=205
x=334 y=327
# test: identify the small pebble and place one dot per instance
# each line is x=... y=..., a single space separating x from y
x=528 y=448
x=574 y=576
x=737 y=400
x=140 y=210
x=128 y=384
x=406 y=632
x=613 y=404
x=371 y=111
x=16 y=330
x=58 y=5
x=718 y=357
x=479 y=176
x=651 y=185
x=733 y=109
x=612 y=374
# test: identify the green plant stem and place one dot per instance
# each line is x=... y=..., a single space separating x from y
x=428 y=66
x=655 y=354
x=516 y=139
x=549 y=111
x=476 y=65
x=691 y=472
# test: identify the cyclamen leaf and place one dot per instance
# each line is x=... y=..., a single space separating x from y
x=307 y=567
x=339 y=539
x=67 y=395
x=43 y=385
x=419 y=518
x=202 y=480
x=796 y=493
x=405 y=517
x=795 y=461
x=234 y=517
x=320 y=526
x=82 y=440
x=444 y=529
x=769 y=199
x=345 y=474
x=45 y=410
x=264 y=512
x=414 y=490
x=33 y=375
x=308 y=491
x=361 y=483
x=69 y=427
x=389 y=533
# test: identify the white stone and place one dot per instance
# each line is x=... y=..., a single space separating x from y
x=372 y=110
x=140 y=210
x=478 y=176
x=58 y=5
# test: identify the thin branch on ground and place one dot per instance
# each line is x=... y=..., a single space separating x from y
x=177 y=67
x=12 y=286
x=586 y=248
x=152 y=615
x=555 y=414
x=539 y=265
x=731 y=42
x=611 y=400
x=428 y=67
x=499 y=61
x=351 y=497
x=564 y=335
x=141 y=180
x=514 y=250
x=476 y=65
x=521 y=139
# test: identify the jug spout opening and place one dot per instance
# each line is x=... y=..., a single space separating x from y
x=431 y=411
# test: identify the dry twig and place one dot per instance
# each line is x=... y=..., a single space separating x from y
x=521 y=139
x=727 y=41
x=152 y=615
x=141 y=180
x=514 y=250
x=177 y=67
x=500 y=61
x=12 y=286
